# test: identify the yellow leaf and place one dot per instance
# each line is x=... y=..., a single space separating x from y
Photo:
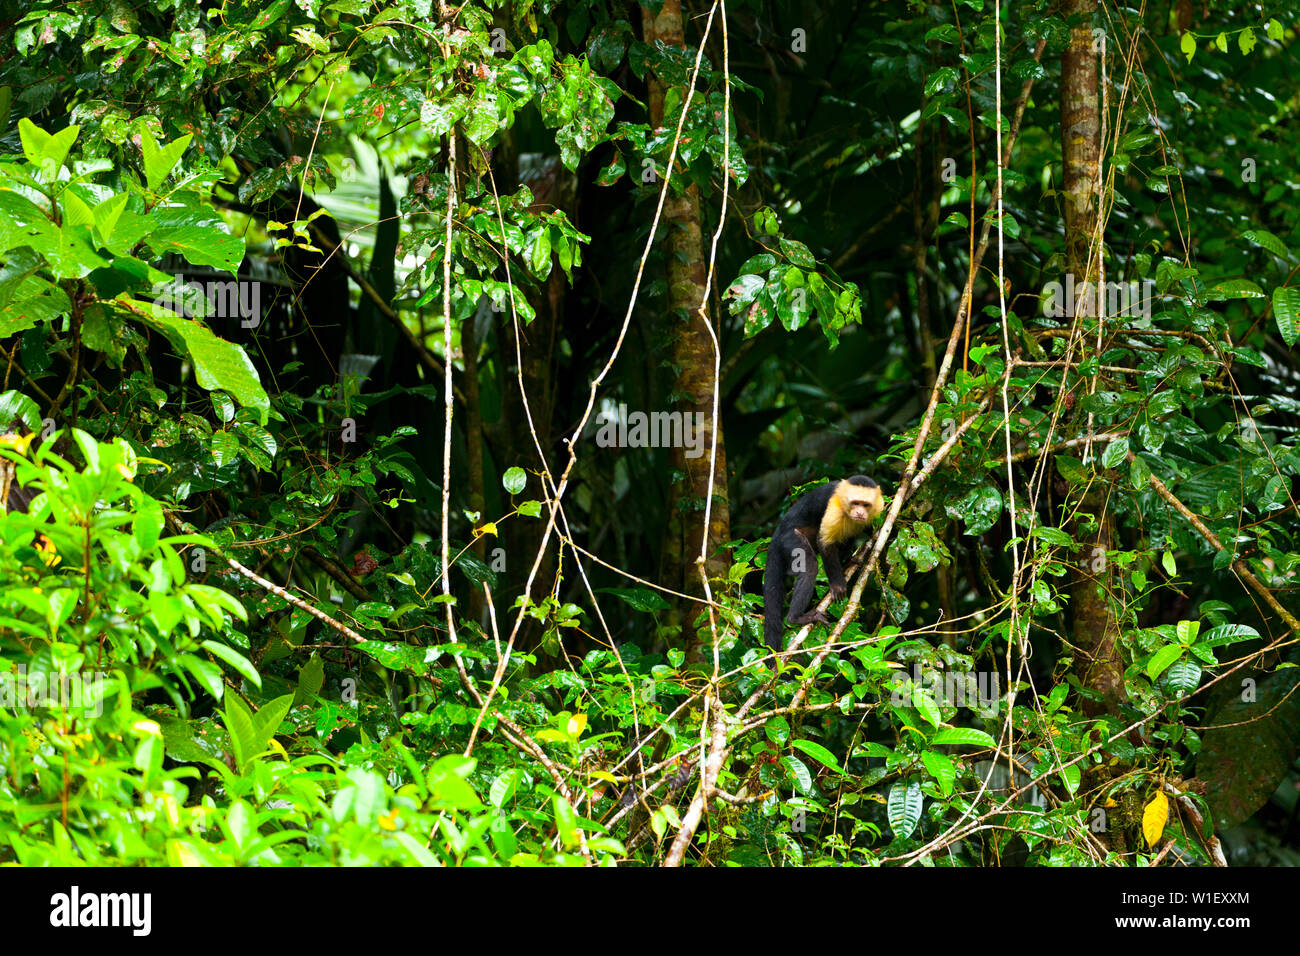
x=577 y=724
x=18 y=443
x=1154 y=818
x=489 y=528
x=46 y=550
x=180 y=853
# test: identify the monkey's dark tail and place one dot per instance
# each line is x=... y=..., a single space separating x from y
x=773 y=599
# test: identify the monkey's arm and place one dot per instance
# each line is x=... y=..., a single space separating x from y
x=833 y=559
x=774 y=592
x=805 y=557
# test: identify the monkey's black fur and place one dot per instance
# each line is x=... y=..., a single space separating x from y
x=794 y=548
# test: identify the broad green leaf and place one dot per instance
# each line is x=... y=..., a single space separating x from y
x=941 y=768
x=1115 y=453
x=962 y=735
x=903 y=807
x=1183 y=677
x=217 y=363
x=514 y=480
x=46 y=151
x=200 y=245
x=1228 y=633
x=1286 y=314
x=238 y=661
x=799 y=774
x=206 y=673
x=267 y=720
x=566 y=821
x=1071 y=776
x=1266 y=239
x=504 y=786
x=242 y=731
x=1187 y=631
x=1162 y=658
x=923 y=701
x=818 y=753
x=159 y=161
x=406 y=657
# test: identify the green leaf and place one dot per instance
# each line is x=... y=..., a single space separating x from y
x=1053 y=536
x=1162 y=658
x=514 y=480
x=267 y=720
x=206 y=673
x=923 y=701
x=1187 y=631
x=640 y=599
x=979 y=509
x=405 y=657
x=818 y=753
x=1264 y=238
x=270 y=13
x=1188 y=46
x=1286 y=314
x=47 y=151
x=1139 y=473
x=503 y=837
x=962 y=735
x=539 y=254
x=504 y=786
x=1071 y=776
x=236 y=660
x=217 y=363
x=1167 y=562
x=566 y=821
x=239 y=725
x=1115 y=453
x=160 y=161
x=1246 y=41
x=202 y=245
x=1183 y=677
x=777 y=730
x=15 y=406
x=1234 y=289
x=904 y=806
x=1228 y=633
x=311 y=677
x=941 y=768
x=800 y=776
x=1071 y=469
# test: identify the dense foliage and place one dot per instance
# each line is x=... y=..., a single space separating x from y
x=331 y=537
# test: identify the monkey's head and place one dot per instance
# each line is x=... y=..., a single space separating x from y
x=860 y=499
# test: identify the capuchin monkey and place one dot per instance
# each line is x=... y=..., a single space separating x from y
x=825 y=521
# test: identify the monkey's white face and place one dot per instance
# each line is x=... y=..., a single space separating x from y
x=862 y=504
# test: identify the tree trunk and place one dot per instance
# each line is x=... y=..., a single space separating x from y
x=692 y=356
x=1095 y=629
